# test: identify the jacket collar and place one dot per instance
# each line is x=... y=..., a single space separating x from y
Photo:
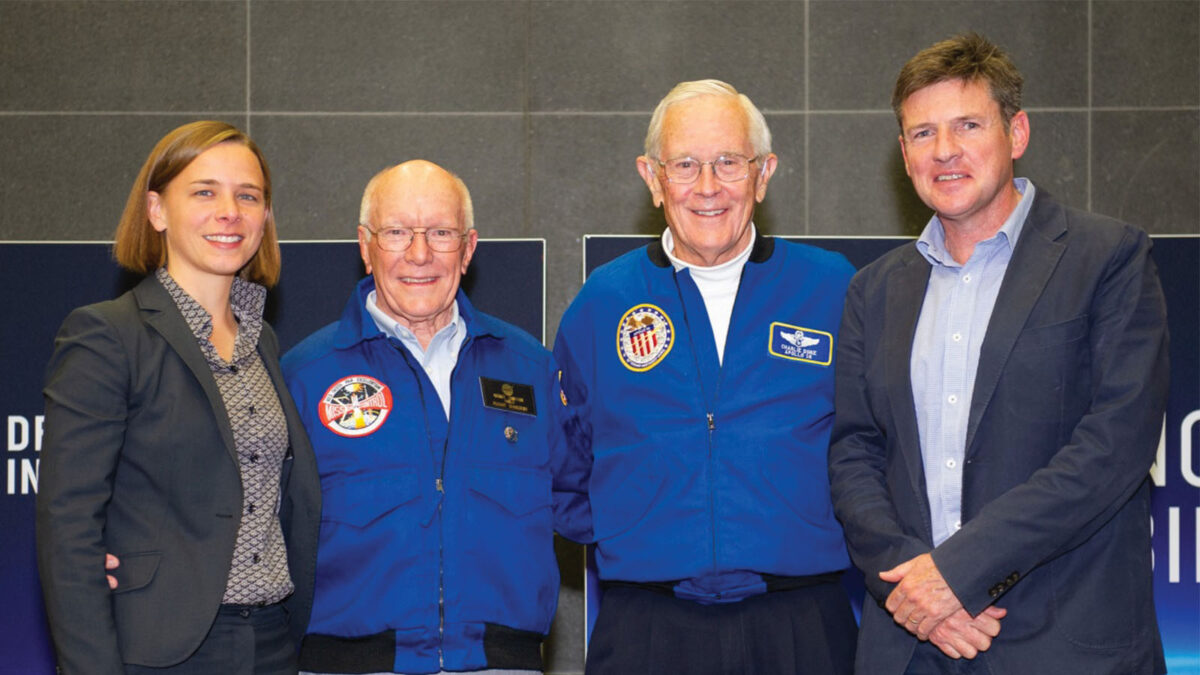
x=160 y=313
x=762 y=250
x=356 y=325
x=1038 y=251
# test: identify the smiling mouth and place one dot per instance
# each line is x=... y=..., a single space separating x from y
x=418 y=280
x=949 y=176
x=713 y=212
x=224 y=238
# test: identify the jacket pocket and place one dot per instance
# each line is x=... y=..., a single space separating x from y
x=1052 y=335
x=136 y=570
x=363 y=499
x=518 y=491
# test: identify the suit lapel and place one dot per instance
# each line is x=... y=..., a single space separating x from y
x=905 y=295
x=1033 y=261
x=160 y=313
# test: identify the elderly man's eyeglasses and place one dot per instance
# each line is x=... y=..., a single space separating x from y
x=728 y=168
x=442 y=239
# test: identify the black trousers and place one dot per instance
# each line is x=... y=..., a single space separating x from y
x=808 y=630
x=242 y=641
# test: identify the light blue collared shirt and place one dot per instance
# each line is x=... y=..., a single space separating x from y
x=441 y=357
x=945 y=354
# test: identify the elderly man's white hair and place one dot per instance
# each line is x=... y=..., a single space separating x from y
x=368 y=198
x=760 y=135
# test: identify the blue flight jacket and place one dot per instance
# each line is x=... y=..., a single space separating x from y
x=707 y=474
x=436 y=535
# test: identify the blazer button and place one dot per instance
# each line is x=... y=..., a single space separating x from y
x=1012 y=578
x=994 y=591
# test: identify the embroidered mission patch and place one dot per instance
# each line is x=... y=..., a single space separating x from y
x=645 y=336
x=355 y=406
x=801 y=344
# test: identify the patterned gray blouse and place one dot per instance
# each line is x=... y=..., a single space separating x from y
x=259 y=573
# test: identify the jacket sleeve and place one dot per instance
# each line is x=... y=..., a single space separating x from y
x=858 y=457
x=573 y=466
x=1110 y=450
x=86 y=398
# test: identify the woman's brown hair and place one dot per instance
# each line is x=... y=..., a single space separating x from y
x=139 y=248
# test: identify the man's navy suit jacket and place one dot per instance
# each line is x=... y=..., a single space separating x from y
x=1063 y=428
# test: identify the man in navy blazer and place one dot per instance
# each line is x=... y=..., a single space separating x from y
x=1000 y=392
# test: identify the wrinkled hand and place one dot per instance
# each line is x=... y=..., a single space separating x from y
x=111 y=563
x=921 y=599
x=961 y=636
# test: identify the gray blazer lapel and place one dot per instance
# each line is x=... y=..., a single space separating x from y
x=161 y=314
x=905 y=295
x=1033 y=261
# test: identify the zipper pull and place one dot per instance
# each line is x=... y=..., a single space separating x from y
x=711 y=425
x=437 y=483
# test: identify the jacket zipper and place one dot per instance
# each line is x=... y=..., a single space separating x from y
x=710 y=415
x=439 y=484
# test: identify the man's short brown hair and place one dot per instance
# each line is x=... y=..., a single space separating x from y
x=970 y=58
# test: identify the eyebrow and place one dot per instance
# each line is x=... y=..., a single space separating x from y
x=960 y=118
x=213 y=181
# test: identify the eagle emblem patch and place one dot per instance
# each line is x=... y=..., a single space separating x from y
x=355 y=406
x=645 y=336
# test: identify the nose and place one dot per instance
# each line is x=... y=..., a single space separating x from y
x=706 y=182
x=418 y=252
x=945 y=146
x=228 y=209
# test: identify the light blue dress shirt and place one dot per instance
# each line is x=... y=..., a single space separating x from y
x=441 y=357
x=945 y=354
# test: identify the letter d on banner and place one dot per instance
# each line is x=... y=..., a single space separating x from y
x=18 y=433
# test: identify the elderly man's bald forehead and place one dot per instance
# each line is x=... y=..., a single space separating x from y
x=413 y=179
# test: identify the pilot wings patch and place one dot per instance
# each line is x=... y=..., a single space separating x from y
x=797 y=343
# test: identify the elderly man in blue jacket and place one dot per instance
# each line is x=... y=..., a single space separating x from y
x=702 y=369
x=439 y=433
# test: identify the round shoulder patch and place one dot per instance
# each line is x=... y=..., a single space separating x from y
x=355 y=406
x=645 y=336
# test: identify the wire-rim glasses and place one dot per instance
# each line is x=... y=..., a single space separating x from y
x=728 y=168
x=397 y=239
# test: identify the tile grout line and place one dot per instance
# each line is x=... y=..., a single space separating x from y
x=527 y=127
x=1091 y=103
x=807 y=117
x=248 y=27
x=534 y=114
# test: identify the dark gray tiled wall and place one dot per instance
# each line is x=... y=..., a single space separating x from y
x=122 y=56
x=609 y=56
x=858 y=47
x=541 y=106
x=388 y=56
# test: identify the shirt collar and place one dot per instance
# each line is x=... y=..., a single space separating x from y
x=247 y=300
x=393 y=328
x=932 y=242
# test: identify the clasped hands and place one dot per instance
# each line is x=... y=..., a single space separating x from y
x=923 y=603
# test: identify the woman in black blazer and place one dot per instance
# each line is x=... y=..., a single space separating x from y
x=171 y=441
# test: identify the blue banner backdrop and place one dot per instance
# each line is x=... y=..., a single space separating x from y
x=41 y=282
x=1175 y=510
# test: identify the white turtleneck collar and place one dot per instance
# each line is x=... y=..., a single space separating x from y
x=718 y=285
